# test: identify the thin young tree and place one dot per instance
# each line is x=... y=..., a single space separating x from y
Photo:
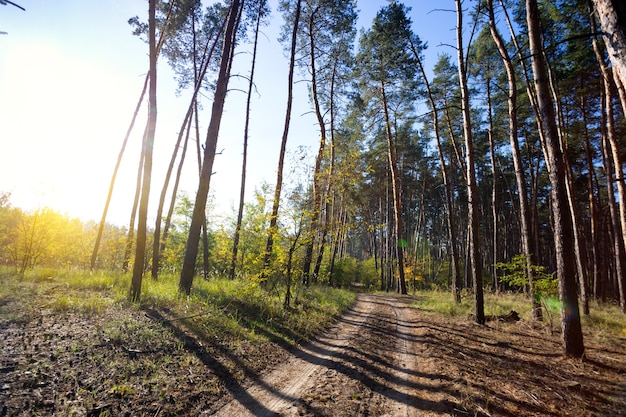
x=105 y=211
x=520 y=176
x=326 y=24
x=273 y=226
x=445 y=172
x=130 y=235
x=140 y=249
x=198 y=217
x=562 y=222
x=261 y=12
x=472 y=189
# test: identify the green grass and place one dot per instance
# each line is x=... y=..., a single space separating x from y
x=605 y=320
x=216 y=308
x=239 y=309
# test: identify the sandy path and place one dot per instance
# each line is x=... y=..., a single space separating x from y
x=367 y=364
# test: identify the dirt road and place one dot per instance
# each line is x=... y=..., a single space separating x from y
x=368 y=364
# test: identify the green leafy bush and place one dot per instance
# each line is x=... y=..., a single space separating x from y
x=515 y=276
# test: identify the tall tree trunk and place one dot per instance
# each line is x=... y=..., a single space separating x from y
x=528 y=246
x=618 y=246
x=472 y=190
x=283 y=147
x=494 y=189
x=581 y=266
x=454 y=255
x=94 y=254
x=244 y=162
x=593 y=202
x=563 y=228
x=613 y=22
x=199 y=211
x=396 y=190
x=331 y=173
x=159 y=240
x=611 y=160
x=317 y=179
x=172 y=205
x=140 y=249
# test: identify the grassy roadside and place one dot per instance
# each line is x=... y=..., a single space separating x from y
x=226 y=308
x=73 y=345
x=604 y=322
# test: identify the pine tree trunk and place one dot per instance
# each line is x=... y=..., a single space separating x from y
x=494 y=189
x=612 y=156
x=563 y=228
x=455 y=278
x=130 y=237
x=472 y=190
x=244 y=162
x=528 y=245
x=283 y=147
x=317 y=180
x=140 y=249
x=199 y=215
x=397 y=198
x=331 y=174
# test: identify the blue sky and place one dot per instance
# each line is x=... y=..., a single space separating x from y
x=70 y=76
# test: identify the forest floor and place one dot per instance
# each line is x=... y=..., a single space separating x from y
x=387 y=356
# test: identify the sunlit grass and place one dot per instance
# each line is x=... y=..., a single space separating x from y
x=605 y=320
x=216 y=308
x=441 y=302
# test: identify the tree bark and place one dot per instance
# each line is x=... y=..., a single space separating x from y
x=612 y=15
x=199 y=215
x=563 y=228
x=397 y=197
x=140 y=249
x=472 y=189
x=283 y=147
x=528 y=246
x=454 y=255
x=244 y=162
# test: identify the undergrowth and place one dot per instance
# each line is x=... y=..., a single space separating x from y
x=216 y=308
x=604 y=321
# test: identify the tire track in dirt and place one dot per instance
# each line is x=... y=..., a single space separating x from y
x=414 y=386
x=278 y=392
x=400 y=403
x=368 y=364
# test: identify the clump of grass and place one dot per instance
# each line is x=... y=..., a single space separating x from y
x=605 y=322
x=82 y=303
x=441 y=302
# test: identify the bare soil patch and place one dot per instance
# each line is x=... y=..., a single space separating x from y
x=385 y=357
